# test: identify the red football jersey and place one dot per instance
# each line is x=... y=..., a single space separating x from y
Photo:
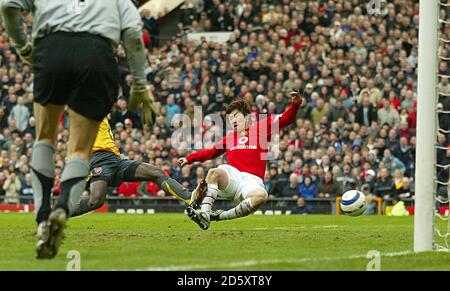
x=247 y=152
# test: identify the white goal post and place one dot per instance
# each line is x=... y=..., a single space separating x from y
x=425 y=166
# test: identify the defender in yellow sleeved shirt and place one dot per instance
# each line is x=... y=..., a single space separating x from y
x=108 y=169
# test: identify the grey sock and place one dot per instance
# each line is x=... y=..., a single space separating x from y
x=73 y=183
x=42 y=178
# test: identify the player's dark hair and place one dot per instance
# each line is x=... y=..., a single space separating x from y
x=241 y=105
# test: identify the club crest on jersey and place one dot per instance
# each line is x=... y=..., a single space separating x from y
x=243 y=140
x=98 y=170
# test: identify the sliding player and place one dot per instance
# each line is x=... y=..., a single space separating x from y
x=246 y=149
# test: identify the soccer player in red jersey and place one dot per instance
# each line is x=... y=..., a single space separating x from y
x=246 y=148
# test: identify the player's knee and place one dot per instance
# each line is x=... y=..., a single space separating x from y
x=46 y=138
x=213 y=176
x=149 y=171
x=265 y=196
x=259 y=199
x=158 y=173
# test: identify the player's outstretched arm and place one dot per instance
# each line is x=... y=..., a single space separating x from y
x=288 y=116
x=204 y=155
x=140 y=94
x=13 y=25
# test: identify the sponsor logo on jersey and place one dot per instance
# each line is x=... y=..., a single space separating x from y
x=243 y=147
x=243 y=140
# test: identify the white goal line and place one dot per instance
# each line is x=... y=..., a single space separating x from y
x=252 y=263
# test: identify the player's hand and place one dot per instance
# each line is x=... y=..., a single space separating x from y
x=26 y=53
x=141 y=95
x=296 y=97
x=182 y=161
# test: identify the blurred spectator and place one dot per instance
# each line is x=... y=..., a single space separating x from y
x=121 y=113
x=301 y=207
x=221 y=19
x=366 y=112
x=186 y=178
x=371 y=200
x=20 y=114
x=128 y=189
x=328 y=188
x=372 y=92
x=271 y=182
x=291 y=190
x=392 y=163
x=308 y=188
x=2 y=183
x=397 y=178
x=151 y=25
x=346 y=181
x=282 y=179
x=406 y=190
x=384 y=186
x=172 y=108
x=388 y=115
x=31 y=129
x=188 y=13
x=404 y=154
x=320 y=111
x=369 y=179
x=3 y=118
x=338 y=111
x=12 y=187
x=27 y=190
x=149 y=188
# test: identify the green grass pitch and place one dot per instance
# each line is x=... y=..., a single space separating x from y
x=173 y=242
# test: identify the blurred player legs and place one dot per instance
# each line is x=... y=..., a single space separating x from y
x=83 y=133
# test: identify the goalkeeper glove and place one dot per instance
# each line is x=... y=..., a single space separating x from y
x=140 y=94
x=26 y=54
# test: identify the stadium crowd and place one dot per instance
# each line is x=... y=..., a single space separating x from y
x=358 y=73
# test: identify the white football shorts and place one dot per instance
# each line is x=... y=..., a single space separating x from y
x=239 y=184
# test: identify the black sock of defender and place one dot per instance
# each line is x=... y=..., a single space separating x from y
x=172 y=187
x=82 y=208
x=46 y=207
x=64 y=196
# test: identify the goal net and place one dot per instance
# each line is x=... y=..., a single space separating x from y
x=442 y=224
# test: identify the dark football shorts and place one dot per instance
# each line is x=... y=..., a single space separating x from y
x=76 y=69
x=109 y=167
